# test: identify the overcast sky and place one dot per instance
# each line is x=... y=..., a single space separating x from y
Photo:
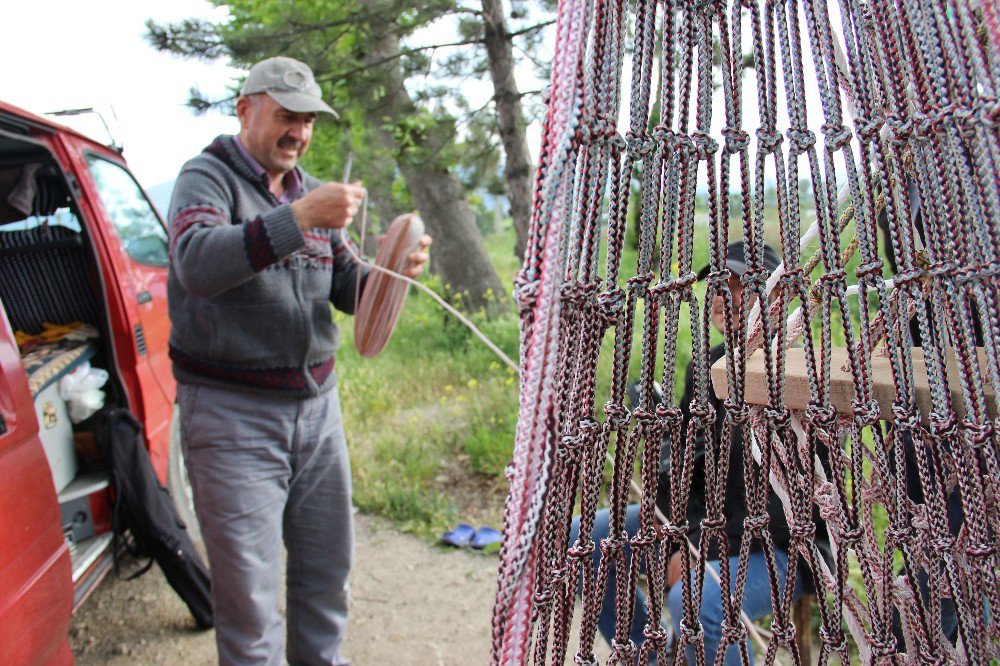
x=64 y=54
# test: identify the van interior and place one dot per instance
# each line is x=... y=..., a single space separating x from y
x=51 y=292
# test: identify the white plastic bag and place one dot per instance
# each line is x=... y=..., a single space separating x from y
x=81 y=389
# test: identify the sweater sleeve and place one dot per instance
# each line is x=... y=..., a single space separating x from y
x=345 y=275
x=210 y=251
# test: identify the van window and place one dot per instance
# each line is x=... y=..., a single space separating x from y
x=60 y=217
x=139 y=228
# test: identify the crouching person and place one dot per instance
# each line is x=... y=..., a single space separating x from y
x=757 y=591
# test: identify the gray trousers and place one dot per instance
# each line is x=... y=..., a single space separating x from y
x=265 y=470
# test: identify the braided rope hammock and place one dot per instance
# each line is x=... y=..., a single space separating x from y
x=825 y=382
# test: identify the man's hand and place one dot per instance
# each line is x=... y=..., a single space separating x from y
x=415 y=260
x=329 y=206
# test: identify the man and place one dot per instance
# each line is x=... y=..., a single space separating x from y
x=257 y=257
x=757 y=592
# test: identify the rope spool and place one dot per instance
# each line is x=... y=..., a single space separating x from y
x=384 y=295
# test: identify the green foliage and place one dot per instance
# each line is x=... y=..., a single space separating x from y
x=470 y=28
x=484 y=214
x=401 y=193
x=478 y=157
x=419 y=132
x=194 y=38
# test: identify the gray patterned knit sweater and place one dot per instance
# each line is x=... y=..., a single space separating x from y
x=249 y=292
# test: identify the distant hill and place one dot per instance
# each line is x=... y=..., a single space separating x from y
x=160 y=196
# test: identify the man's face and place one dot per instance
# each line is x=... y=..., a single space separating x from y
x=718 y=311
x=275 y=136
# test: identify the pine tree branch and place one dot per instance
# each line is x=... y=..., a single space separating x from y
x=303 y=27
x=402 y=53
x=478 y=13
x=532 y=28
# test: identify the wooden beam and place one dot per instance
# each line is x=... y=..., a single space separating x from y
x=802 y=617
x=797 y=393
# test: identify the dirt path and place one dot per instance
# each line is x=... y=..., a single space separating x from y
x=413 y=603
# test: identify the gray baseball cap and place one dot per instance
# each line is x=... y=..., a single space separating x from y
x=736 y=259
x=288 y=82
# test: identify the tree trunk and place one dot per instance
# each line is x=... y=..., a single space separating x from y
x=518 y=166
x=458 y=254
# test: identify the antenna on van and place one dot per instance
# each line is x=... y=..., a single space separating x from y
x=112 y=144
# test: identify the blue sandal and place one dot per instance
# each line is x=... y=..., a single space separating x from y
x=486 y=537
x=460 y=537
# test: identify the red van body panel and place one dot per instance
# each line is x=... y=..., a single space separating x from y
x=137 y=300
x=36 y=589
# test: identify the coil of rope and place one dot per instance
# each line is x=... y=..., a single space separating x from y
x=382 y=302
x=385 y=293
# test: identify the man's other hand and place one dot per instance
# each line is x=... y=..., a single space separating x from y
x=415 y=260
x=329 y=206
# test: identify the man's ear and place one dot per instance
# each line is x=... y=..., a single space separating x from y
x=243 y=109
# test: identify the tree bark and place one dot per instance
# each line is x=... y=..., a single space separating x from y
x=458 y=254
x=518 y=165
x=387 y=211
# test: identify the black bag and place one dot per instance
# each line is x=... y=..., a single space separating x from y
x=145 y=508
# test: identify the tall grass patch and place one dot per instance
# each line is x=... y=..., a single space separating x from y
x=435 y=405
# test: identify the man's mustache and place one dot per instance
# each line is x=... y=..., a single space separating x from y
x=289 y=142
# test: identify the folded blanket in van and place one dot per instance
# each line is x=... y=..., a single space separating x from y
x=48 y=362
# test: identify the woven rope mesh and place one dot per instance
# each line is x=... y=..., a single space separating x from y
x=860 y=140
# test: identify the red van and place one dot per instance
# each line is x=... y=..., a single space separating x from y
x=83 y=271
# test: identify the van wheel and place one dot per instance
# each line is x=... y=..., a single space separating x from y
x=177 y=479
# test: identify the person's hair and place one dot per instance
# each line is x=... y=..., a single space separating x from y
x=255 y=99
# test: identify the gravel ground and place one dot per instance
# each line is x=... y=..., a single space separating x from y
x=413 y=603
